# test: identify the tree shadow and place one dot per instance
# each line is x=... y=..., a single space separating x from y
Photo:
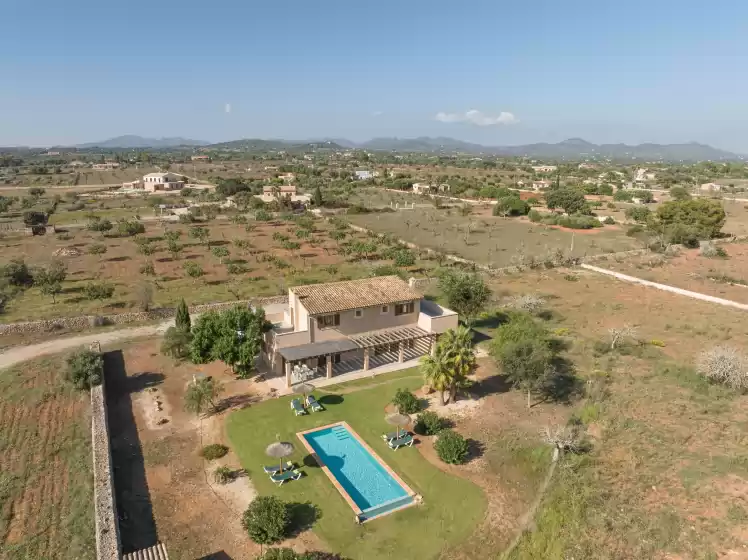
x=476 y=449
x=564 y=385
x=302 y=517
x=144 y=380
x=310 y=461
x=118 y=259
x=237 y=402
x=492 y=321
x=215 y=282
x=330 y=399
x=492 y=385
x=165 y=260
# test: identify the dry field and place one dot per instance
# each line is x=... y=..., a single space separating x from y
x=721 y=277
x=265 y=267
x=667 y=473
x=46 y=484
x=491 y=240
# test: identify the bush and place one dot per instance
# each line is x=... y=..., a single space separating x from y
x=98 y=291
x=85 y=369
x=404 y=257
x=633 y=230
x=176 y=343
x=511 y=206
x=291 y=554
x=223 y=475
x=128 y=228
x=725 y=365
x=16 y=273
x=97 y=224
x=263 y=216
x=609 y=220
x=406 y=402
x=534 y=216
x=429 y=423
x=640 y=214
x=148 y=269
x=96 y=249
x=214 y=451
x=712 y=251
x=451 y=447
x=266 y=520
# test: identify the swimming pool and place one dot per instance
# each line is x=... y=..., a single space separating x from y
x=369 y=486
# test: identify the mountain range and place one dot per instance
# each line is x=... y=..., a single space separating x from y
x=570 y=149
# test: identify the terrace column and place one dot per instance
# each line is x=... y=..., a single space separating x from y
x=366 y=359
x=432 y=344
x=288 y=374
x=329 y=366
x=401 y=352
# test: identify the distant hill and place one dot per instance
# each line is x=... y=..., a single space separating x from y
x=573 y=148
x=260 y=145
x=132 y=141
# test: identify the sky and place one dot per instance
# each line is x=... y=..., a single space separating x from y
x=485 y=71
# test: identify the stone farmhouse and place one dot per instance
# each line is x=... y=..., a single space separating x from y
x=353 y=325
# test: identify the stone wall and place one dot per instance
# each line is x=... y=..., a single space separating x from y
x=107 y=525
x=83 y=322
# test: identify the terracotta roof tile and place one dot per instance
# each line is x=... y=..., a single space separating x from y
x=354 y=294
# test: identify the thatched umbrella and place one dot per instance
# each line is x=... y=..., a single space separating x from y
x=397 y=419
x=280 y=450
x=303 y=389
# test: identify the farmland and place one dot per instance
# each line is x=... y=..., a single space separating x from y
x=46 y=484
x=233 y=261
x=489 y=239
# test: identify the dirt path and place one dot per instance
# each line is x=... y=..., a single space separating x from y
x=20 y=354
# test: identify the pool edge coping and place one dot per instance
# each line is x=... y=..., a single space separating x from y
x=357 y=510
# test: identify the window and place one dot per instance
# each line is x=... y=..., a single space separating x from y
x=385 y=309
x=328 y=321
x=358 y=313
x=404 y=308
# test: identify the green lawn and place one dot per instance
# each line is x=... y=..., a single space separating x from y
x=452 y=507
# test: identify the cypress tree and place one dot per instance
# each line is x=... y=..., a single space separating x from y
x=182 y=321
x=317 y=198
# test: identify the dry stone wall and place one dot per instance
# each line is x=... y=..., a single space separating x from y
x=82 y=322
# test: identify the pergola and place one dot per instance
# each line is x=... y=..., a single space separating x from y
x=365 y=341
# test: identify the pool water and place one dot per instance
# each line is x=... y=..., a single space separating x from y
x=364 y=478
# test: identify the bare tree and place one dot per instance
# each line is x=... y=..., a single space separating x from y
x=563 y=438
x=620 y=334
x=725 y=365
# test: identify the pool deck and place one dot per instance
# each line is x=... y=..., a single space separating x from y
x=357 y=510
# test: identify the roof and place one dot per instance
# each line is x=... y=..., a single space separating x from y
x=283 y=188
x=159 y=175
x=157 y=552
x=304 y=351
x=354 y=294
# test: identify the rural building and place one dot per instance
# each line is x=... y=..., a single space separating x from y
x=105 y=166
x=540 y=185
x=544 y=168
x=422 y=188
x=711 y=187
x=162 y=182
x=643 y=174
x=287 y=176
x=587 y=166
x=200 y=158
x=271 y=168
x=353 y=325
x=77 y=163
x=363 y=174
x=283 y=190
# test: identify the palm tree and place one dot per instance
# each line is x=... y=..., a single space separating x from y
x=452 y=362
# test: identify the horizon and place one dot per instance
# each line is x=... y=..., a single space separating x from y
x=504 y=76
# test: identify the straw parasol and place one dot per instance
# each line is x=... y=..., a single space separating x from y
x=303 y=389
x=397 y=419
x=280 y=450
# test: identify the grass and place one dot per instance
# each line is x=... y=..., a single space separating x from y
x=452 y=506
x=46 y=483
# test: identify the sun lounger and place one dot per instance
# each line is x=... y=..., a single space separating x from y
x=280 y=478
x=405 y=441
x=394 y=435
x=276 y=468
x=314 y=405
x=297 y=408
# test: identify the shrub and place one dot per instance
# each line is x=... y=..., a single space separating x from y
x=128 y=228
x=658 y=343
x=534 y=216
x=97 y=224
x=640 y=214
x=451 y=447
x=95 y=290
x=725 y=365
x=85 y=369
x=214 y=451
x=176 y=343
x=16 y=273
x=291 y=554
x=263 y=216
x=712 y=251
x=223 y=475
x=511 y=206
x=406 y=402
x=266 y=520
x=609 y=220
x=96 y=249
x=148 y=269
x=404 y=257
x=633 y=230
x=429 y=423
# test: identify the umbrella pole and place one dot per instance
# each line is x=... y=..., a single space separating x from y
x=281 y=465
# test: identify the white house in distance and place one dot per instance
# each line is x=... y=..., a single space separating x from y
x=363 y=174
x=540 y=185
x=353 y=325
x=544 y=168
x=711 y=187
x=156 y=182
x=643 y=174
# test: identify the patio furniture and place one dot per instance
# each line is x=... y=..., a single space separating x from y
x=275 y=469
x=405 y=441
x=394 y=435
x=297 y=408
x=313 y=404
x=280 y=478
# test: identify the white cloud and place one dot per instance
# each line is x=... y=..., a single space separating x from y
x=478 y=118
x=227 y=108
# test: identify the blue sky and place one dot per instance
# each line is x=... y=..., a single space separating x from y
x=607 y=71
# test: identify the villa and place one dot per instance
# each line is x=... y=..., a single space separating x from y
x=353 y=325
